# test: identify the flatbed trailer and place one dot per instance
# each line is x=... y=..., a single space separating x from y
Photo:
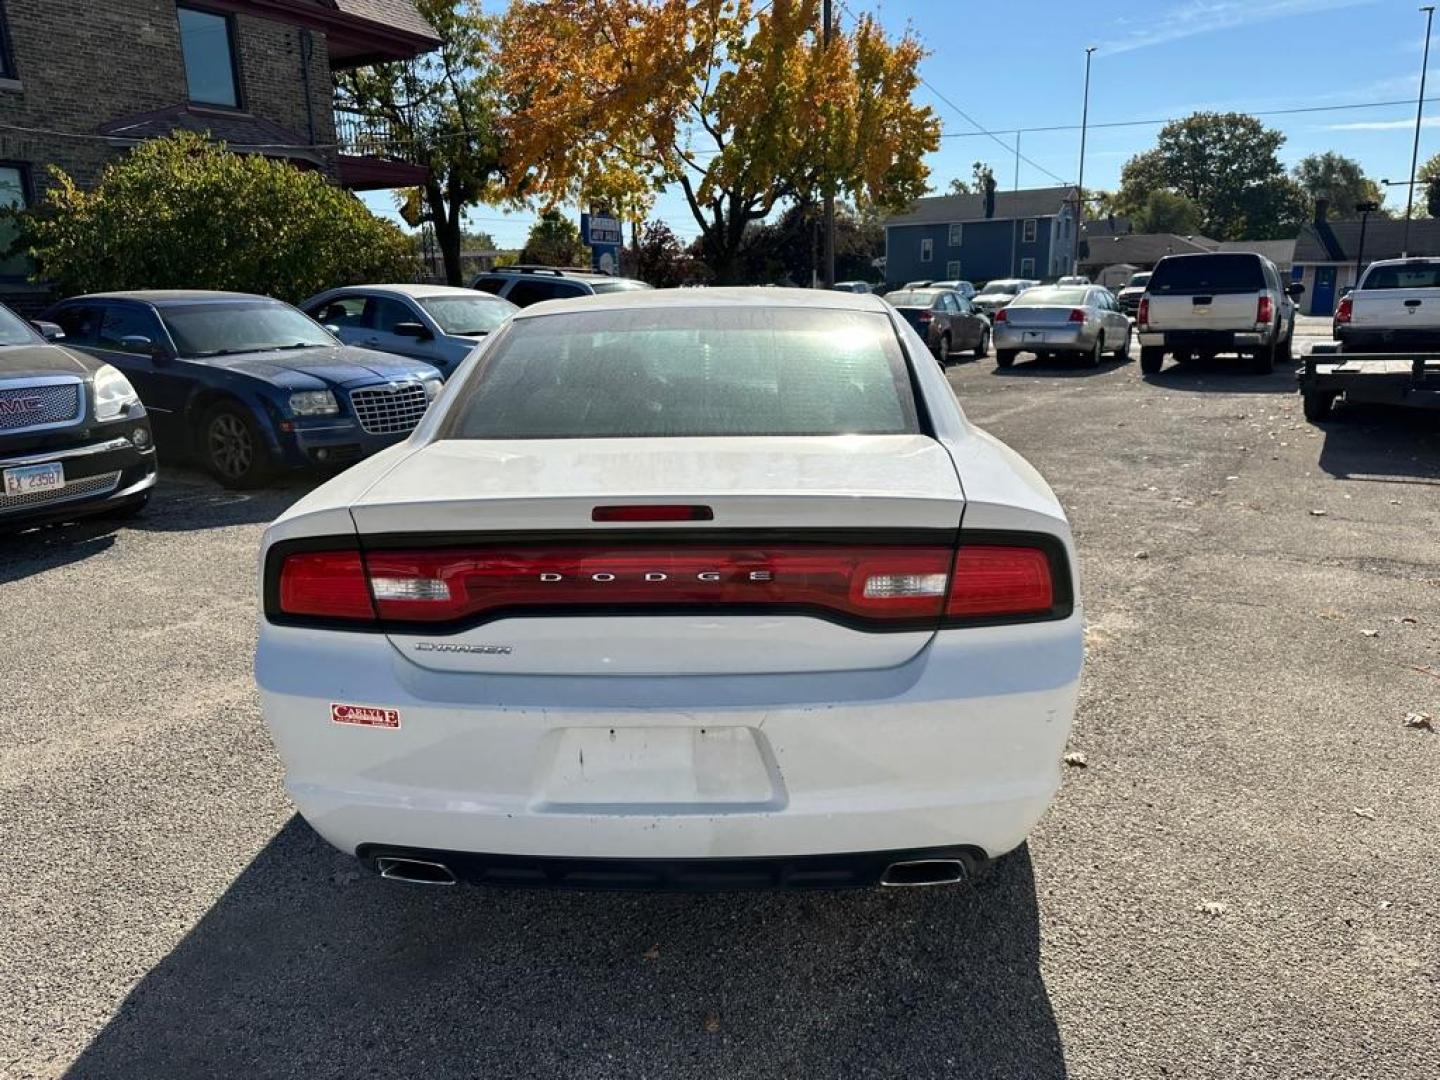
x=1378 y=378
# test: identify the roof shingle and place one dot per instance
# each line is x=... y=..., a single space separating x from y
x=938 y=209
x=399 y=14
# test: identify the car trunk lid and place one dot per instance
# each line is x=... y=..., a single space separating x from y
x=661 y=555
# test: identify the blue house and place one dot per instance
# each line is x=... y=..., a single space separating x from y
x=980 y=237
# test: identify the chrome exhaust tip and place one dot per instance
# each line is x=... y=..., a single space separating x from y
x=414 y=871
x=923 y=872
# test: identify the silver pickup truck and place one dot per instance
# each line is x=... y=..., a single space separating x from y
x=1199 y=306
x=1396 y=307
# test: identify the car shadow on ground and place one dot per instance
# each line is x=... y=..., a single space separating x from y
x=1064 y=367
x=182 y=501
x=1377 y=442
x=1225 y=374
x=308 y=967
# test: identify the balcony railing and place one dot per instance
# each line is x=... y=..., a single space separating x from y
x=361 y=134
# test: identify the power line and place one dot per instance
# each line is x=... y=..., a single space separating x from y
x=1171 y=119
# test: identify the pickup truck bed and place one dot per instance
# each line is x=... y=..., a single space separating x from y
x=1381 y=378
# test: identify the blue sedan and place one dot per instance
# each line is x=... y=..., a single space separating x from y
x=246 y=385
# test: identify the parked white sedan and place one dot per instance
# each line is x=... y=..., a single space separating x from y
x=678 y=590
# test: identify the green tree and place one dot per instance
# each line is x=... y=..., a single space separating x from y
x=1337 y=178
x=958 y=187
x=442 y=111
x=183 y=212
x=1429 y=180
x=554 y=240
x=788 y=248
x=1165 y=211
x=1228 y=165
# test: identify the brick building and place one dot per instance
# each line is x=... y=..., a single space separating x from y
x=81 y=81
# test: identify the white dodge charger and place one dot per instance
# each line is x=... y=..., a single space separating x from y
x=678 y=590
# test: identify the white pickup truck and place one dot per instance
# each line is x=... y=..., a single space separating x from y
x=1199 y=306
x=1389 y=343
x=1395 y=308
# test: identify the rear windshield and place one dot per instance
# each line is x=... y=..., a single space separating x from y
x=1137 y=279
x=698 y=371
x=1418 y=276
x=1224 y=273
x=912 y=299
x=1066 y=297
x=1008 y=288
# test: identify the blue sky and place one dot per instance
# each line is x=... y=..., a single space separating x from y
x=1022 y=64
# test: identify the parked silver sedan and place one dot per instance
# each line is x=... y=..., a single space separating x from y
x=1078 y=320
x=439 y=324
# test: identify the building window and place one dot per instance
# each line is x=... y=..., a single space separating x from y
x=1027 y=231
x=1027 y=268
x=952 y=270
x=927 y=249
x=208 y=42
x=957 y=235
x=7 y=62
x=14 y=194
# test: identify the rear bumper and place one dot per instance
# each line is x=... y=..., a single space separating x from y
x=1216 y=341
x=1049 y=339
x=1379 y=341
x=959 y=747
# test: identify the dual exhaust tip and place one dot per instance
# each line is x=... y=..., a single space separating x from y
x=908 y=874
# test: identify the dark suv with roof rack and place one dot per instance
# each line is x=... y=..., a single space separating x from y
x=525 y=285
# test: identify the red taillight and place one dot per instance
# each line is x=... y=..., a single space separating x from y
x=1077 y=315
x=868 y=582
x=325 y=584
x=991 y=582
x=1143 y=315
x=1264 y=310
x=879 y=584
x=652 y=513
x=924 y=317
x=1346 y=308
x=1000 y=316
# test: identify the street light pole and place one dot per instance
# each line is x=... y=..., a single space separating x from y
x=1366 y=209
x=827 y=260
x=1429 y=11
x=1080 y=194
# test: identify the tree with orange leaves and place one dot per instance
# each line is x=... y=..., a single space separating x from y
x=736 y=103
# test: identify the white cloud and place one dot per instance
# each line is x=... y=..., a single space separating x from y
x=1208 y=16
x=1382 y=125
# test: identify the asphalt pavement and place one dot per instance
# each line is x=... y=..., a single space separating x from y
x=1239 y=881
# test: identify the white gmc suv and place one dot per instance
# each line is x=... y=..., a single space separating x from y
x=678 y=590
x=1199 y=306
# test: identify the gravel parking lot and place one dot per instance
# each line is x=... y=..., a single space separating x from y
x=1240 y=881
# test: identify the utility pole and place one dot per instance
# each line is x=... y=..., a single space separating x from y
x=1080 y=194
x=1429 y=11
x=827 y=261
x=1014 y=223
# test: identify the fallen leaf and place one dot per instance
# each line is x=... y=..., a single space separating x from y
x=651 y=954
x=1367 y=812
x=1370 y=633
x=712 y=1023
x=1331 y=614
x=1142 y=554
x=1213 y=908
x=1384 y=904
x=1420 y=721
x=1407 y=619
x=1076 y=759
x=1318 y=513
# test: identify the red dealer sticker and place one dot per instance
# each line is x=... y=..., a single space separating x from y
x=364 y=716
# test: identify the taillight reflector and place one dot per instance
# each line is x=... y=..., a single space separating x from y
x=991 y=582
x=1263 y=310
x=325 y=584
x=652 y=513
x=1077 y=315
x=1000 y=316
x=1346 y=309
x=1142 y=316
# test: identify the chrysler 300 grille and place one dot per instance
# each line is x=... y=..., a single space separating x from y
x=389 y=410
x=37 y=404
